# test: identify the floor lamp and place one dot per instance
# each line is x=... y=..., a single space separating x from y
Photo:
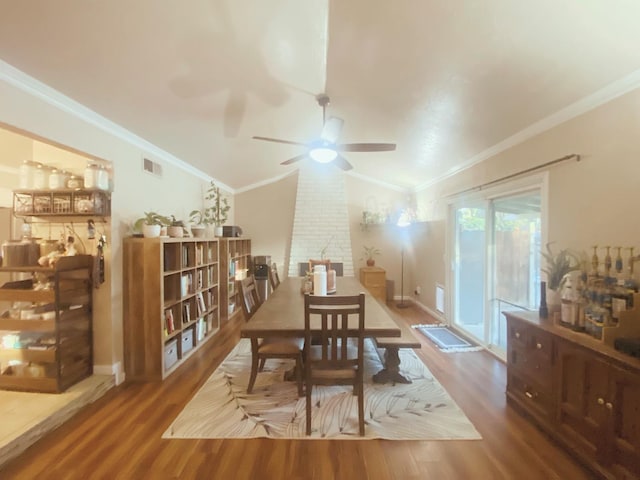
x=403 y=221
x=402 y=304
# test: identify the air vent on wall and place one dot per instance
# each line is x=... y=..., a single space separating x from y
x=152 y=167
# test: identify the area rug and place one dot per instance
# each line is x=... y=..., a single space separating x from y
x=422 y=410
x=445 y=339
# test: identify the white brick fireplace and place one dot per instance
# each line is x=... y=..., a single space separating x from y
x=321 y=218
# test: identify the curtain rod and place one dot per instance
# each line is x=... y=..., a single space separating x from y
x=522 y=172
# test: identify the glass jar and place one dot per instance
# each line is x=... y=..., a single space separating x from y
x=102 y=178
x=91 y=176
x=40 y=177
x=56 y=180
x=74 y=182
x=26 y=173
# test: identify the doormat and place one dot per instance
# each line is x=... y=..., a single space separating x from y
x=445 y=339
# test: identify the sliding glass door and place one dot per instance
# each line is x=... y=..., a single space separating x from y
x=470 y=268
x=495 y=262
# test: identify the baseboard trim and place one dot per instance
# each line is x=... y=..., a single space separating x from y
x=114 y=369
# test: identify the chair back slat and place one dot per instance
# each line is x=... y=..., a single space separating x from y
x=274 y=279
x=250 y=298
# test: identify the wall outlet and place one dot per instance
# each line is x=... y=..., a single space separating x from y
x=418 y=290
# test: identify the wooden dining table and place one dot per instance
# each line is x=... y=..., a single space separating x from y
x=282 y=314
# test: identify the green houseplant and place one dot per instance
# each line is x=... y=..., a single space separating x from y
x=151 y=224
x=557 y=266
x=218 y=212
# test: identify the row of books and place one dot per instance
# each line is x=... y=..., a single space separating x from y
x=201 y=309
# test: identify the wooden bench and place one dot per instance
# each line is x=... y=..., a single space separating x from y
x=391 y=358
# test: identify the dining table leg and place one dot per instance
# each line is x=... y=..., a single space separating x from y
x=391 y=371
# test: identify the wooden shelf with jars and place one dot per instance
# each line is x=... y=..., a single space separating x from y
x=171 y=302
x=46 y=203
x=47 y=341
x=235 y=264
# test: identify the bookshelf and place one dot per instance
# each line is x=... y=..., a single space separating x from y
x=171 y=302
x=235 y=264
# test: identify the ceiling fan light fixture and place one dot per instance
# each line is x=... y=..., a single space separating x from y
x=323 y=154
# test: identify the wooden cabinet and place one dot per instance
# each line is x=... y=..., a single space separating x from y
x=530 y=361
x=374 y=279
x=235 y=264
x=47 y=342
x=599 y=409
x=582 y=392
x=171 y=302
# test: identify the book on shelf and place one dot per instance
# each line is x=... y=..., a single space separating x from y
x=200 y=279
x=200 y=304
x=186 y=313
x=169 y=324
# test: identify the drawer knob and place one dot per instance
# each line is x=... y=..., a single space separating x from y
x=608 y=405
x=539 y=346
x=600 y=401
x=517 y=334
x=529 y=394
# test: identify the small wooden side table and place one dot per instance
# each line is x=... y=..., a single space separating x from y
x=375 y=280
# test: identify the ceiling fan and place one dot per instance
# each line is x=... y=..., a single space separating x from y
x=326 y=149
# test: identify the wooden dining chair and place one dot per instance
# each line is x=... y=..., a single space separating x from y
x=274 y=279
x=268 y=347
x=337 y=360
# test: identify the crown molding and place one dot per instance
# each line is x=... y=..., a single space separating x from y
x=600 y=97
x=37 y=89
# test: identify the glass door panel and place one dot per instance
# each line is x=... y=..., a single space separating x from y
x=514 y=278
x=469 y=269
x=495 y=264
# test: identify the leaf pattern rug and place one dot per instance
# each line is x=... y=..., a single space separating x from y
x=422 y=410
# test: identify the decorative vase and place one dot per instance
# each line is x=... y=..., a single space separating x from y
x=175 y=232
x=218 y=231
x=151 y=231
x=198 y=231
x=370 y=262
x=553 y=301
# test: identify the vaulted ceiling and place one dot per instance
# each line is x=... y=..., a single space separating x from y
x=447 y=81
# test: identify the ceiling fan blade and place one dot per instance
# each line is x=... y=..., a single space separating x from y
x=342 y=163
x=276 y=140
x=331 y=129
x=294 y=159
x=366 y=147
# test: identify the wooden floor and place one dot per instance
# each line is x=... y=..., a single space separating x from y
x=119 y=435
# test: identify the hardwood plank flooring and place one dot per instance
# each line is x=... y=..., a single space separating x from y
x=119 y=436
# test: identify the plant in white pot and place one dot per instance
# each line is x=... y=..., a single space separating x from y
x=219 y=210
x=557 y=265
x=151 y=224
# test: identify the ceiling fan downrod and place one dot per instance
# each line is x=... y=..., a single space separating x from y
x=323 y=101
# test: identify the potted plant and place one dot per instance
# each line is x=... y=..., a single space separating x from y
x=151 y=224
x=369 y=254
x=219 y=210
x=199 y=220
x=175 y=228
x=558 y=265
